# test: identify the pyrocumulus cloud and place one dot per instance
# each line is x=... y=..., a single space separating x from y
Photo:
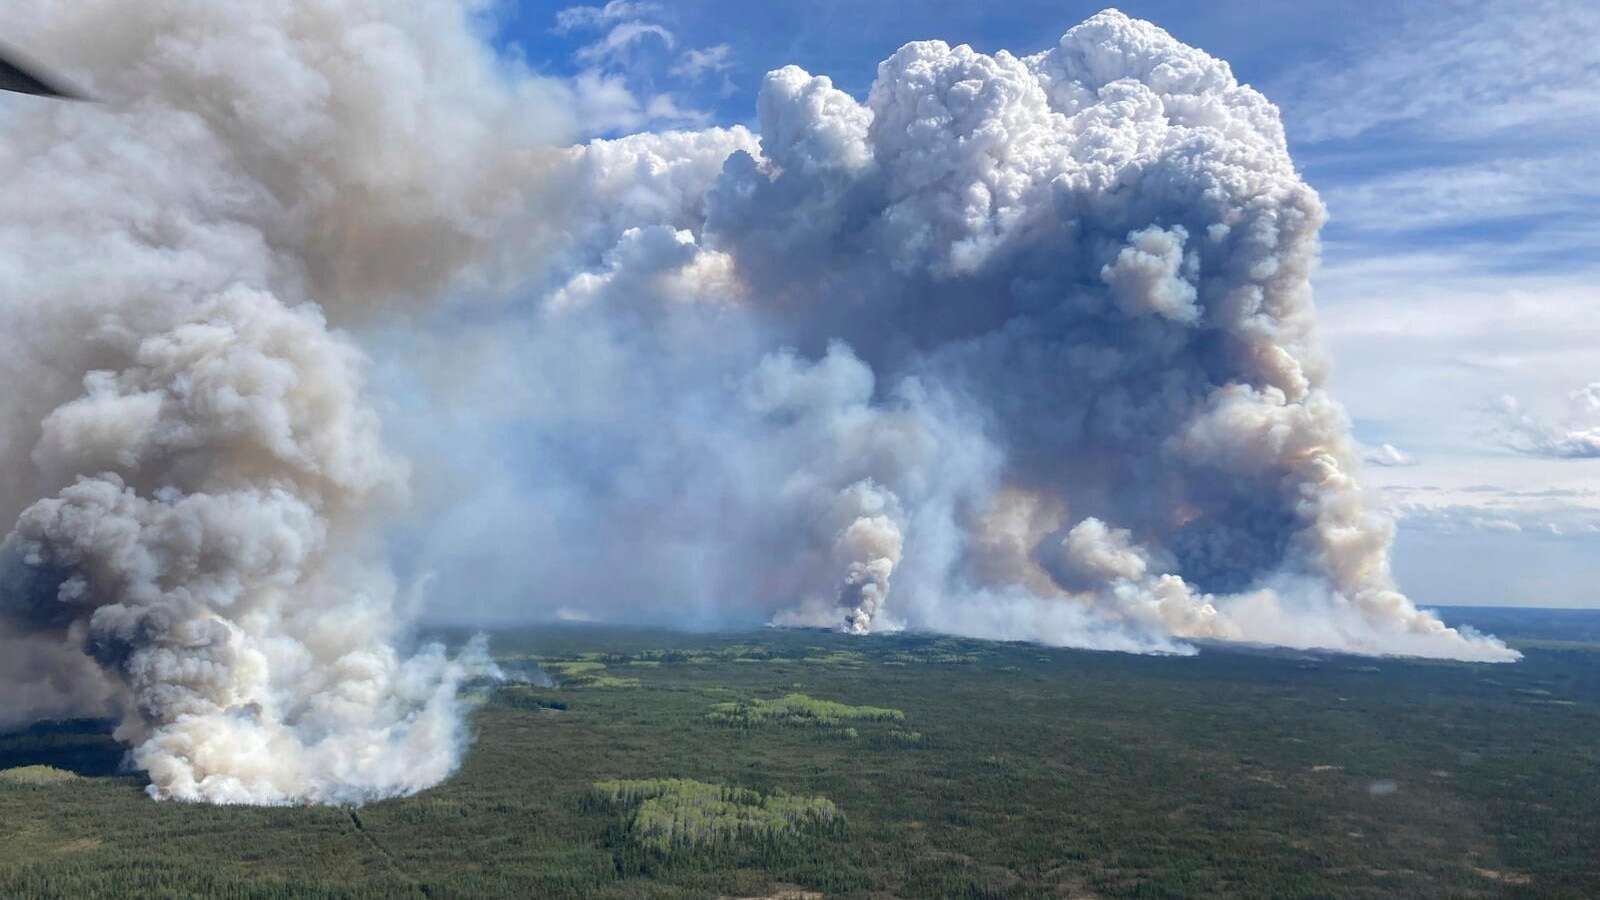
x=1015 y=346
x=1019 y=347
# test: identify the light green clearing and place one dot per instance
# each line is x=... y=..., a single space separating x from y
x=798 y=710
x=586 y=673
x=38 y=775
x=569 y=669
x=606 y=681
x=676 y=813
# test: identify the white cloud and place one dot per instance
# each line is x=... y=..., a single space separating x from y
x=576 y=17
x=696 y=63
x=1459 y=70
x=1540 y=189
x=1576 y=435
x=1422 y=342
x=1477 y=263
x=606 y=104
x=1387 y=455
x=616 y=90
x=1571 y=518
x=619 y=40
x=664 y=108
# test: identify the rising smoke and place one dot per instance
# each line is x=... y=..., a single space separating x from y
x=1019 y=347
x=191 y=466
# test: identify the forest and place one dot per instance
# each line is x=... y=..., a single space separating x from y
x=799 y=764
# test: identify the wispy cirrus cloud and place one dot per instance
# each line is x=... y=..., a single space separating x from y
x=575 y=17
x=1465 y=70
x=1538 y=194
x=1455 y=124
x=621 y=39
x=1452 y=144
x=695 y=64
x=1550 y=521
x=618 y=88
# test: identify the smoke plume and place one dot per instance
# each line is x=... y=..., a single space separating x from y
x=1017 y=347
x=192 y=466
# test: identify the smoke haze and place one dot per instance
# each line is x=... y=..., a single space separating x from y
x=1017 y=347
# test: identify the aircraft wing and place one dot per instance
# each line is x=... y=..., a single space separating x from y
x=24 y=77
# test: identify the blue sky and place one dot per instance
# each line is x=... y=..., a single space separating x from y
x=1453 y=142
x=846 y=40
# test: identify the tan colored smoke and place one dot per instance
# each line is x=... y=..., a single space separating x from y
x=192 y=464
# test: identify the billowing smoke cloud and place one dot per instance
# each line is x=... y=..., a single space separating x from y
x=870 y=547
x=191 y=466
x=1018 y=347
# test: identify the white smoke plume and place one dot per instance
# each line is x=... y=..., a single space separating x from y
x=870 y=546
x=1044 y=323
x=191 y=464
x=1015 y=347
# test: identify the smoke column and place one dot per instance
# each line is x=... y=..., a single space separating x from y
x=191 y=464
x=1018 y=347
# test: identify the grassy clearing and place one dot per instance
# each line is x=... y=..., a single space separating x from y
x=1039 y=773
x=38 y=775
x=677 y=814
x=606 y=681
x=565 y=669
x=586 y=672
x=797 y=710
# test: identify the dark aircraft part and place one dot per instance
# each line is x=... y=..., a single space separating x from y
x=23 y=77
